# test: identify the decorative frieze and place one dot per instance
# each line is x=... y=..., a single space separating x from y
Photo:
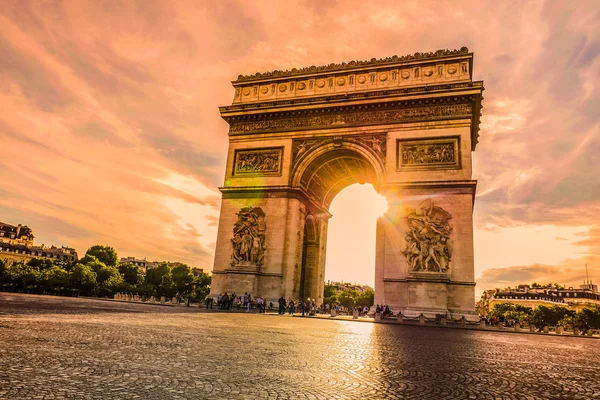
x=367 y=117
x=258 y=161
x=439 y=153
x=428 y=239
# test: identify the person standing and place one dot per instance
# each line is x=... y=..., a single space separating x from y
x=281 y=305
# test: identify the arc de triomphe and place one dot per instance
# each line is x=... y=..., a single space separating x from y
x=408 y=125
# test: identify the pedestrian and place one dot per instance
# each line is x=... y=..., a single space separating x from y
x=225 y=301
x=281 y=305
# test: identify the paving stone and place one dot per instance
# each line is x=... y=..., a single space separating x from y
x=52 y=348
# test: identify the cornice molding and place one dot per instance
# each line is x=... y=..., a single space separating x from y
x=289 y=192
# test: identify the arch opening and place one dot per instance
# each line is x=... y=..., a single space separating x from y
x=323 y=174
x=351 y=237
x=345 y=245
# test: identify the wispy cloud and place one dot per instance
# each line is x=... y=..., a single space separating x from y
x=105 y=103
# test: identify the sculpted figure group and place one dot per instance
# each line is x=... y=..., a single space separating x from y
x=249 y=238
x=428 y=154
x=258 y=162
x=428 y=242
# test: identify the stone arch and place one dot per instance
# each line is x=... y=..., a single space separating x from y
x=326 y=170
x=291 y=152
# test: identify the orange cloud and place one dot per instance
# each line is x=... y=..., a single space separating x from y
x=104 y=103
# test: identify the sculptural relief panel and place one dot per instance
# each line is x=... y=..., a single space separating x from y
x=248 y=240
x=428 y=238
x=439 y=153
x=258 y=161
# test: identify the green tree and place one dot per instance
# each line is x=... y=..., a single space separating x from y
x=104 y=254
x=499 y=309
x=166 y=286
x=509 y=312
x=543 y=315
x=108 y=279
x=588 y=318
x=161 y=278
x=330 y=295
x=183 y=280
x=3 y=271
x=516 y=316
x=145 y=289
x=83 y=278
x=55 y=278
x=40 y=264
x=201 y=284
x=329 y=291
x=22 y=275
x=347 y=298
x=154 y=275
x=365 y=298
x=132 y=274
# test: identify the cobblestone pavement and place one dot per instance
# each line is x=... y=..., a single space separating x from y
x=59 y=348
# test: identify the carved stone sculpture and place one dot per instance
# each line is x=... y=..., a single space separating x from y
x=375 y=142
x=373 y=117
x=260 y=161
x=428 y=242
x=417 y=154
x=249 y=238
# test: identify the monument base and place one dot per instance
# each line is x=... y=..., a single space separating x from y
x=431 y=294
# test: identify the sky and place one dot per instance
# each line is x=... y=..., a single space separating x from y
x=110 y=131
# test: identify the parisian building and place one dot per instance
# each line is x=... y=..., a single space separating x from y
x=531 y=297
x=17 y=244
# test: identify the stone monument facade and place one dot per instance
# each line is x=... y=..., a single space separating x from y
x=408 y=125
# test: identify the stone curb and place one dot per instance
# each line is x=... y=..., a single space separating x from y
x=490 y=329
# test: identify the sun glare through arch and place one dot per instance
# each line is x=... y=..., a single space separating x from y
x=351 y=234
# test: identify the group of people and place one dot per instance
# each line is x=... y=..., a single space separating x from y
x=228 y=301
x=384 y=310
